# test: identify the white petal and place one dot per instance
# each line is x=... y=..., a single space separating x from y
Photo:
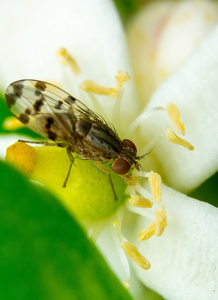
x=32 y=32
x=184 y=260
x=194 y=89
x=162 y=35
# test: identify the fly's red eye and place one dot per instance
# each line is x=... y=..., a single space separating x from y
x=130 y=144
x=120 y=166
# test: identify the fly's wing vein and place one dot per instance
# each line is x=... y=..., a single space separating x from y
x=43 y=108
x=49 y=110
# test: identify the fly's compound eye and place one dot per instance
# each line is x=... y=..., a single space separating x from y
x=121 y=166
x=130 y=144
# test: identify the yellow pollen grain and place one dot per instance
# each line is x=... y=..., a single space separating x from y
x=148 y=232
x=161 y=221
x=121 y=78
x=175 y=117
x=173 y=138
x=139 y=201
x=154 y=180
x=133 y=253
x=67 y=59
x=22 y=156
x=129 y=179
x=12 y=123
x=91 y=86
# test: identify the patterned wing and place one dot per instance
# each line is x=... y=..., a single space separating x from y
x=45 y=109
x=49 y=111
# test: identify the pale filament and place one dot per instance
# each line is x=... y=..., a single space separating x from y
x=118 y=238
x=130 y=249
x=121 y=81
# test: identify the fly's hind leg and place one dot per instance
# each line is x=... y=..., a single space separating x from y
x=69 y=153
x=39 y=143
x=105 y=170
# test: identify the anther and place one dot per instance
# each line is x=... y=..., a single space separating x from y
x=161 y=221
x=148 y=232
x=121 y=78
x=139 y=201
x=172 y=137
x=133 y=253
x=175 y=117
x=67 y=59
x=154 y=180
x=91 y=86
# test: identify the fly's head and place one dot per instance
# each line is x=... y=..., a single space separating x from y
x=126 y=158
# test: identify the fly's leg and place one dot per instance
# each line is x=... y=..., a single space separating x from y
x=39 y=143
x=69 y=153
x=105 y=170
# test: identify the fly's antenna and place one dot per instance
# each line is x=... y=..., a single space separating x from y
x=143 y=156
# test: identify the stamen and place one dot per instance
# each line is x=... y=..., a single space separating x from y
x=148 y=232
x=129 y=179
x=172 y=137
x=154 y=180
x=121 y=81
x=141 y=173
x=142 y=191
x=67 y=59
x=175 y=117
x=161 y=221
x=117 y=239
x=155 y=228
x=117 y=227
x=12 y=123
x=139 y=201
x=91 y=86
x=148 y=214
x=145 y=115
x=121 y=78
x=135 y=255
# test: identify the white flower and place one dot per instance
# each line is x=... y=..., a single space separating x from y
x=184 y=259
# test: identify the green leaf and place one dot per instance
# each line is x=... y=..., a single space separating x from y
x=44 y=254
x=4 y=113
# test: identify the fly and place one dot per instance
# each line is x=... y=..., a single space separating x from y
x=56 y=115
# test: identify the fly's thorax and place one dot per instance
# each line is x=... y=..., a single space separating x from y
x=126 y=158
x=98 y=140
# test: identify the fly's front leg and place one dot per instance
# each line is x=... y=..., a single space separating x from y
x=69 y=153
x=105 y=170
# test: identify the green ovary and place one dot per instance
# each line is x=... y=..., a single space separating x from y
x=88 y=193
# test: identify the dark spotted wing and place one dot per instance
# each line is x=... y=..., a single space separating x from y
x=48 y=110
